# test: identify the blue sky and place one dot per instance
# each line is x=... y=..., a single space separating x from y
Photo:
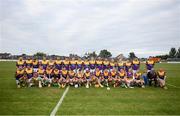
x=147 y=27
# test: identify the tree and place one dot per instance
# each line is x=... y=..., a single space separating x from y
x=163 y=57
x=132 y=55
x=172 y=53
x=40 y=55
x=178 y=53
x=105 y=54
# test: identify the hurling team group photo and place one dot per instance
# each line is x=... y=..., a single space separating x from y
x=89 y=57
x=86 y=72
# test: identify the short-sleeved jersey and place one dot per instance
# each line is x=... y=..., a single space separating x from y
x=135 y=64
x=29 y=70
x=113 y=73
x=56 y=72
x=29 y=62
x=20 y=63
x=122 y=74
x=150 y=64
x=97 y=73
x=161 y=74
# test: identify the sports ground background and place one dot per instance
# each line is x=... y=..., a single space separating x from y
x=82 y=101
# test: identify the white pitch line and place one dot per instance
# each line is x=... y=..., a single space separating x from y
x=53 y=113
x=173 y=85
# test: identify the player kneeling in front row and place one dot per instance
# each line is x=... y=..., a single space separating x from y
x=87 y=76
x=129 y=79
x=80 y=77
x=122 y=77
x=98 y=78
x=23 y=81
x=19 y=73
x=161 y=74
x=71 y=76
x=106 y=77
x=138 y=81
x=113 y=78
x=63 y=77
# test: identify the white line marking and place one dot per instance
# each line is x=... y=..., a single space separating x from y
x=173 y=85
x=53 y=113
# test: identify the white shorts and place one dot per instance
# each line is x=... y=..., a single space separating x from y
x=134 y=71
x=92 y=70
x=35 y=69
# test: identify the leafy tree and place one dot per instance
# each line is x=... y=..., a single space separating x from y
x=163 y=57
x=40 y=55
x=178 y=53
x=105 y=54
x=132 y=55
x=172 y=53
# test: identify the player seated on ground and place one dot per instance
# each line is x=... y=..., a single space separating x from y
x=113 y=77
x=98 y=78
x=23 y=81
x=80 y=77
x=152 y=78
x=122 y=78
x=129 y=79
x=70 y=78
x=45 y=81
x=106 y=77
x=64 y=75
x=36 y=81
x=87 y=76
x=55 y=82
x=20 y=62
x=138 y=81
x=76 y=79
x=19 y=73
x=55 y=78
x=161 y=74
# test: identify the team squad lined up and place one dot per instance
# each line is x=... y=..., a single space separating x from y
x=32 y=72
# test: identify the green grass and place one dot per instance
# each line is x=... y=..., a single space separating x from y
x=15 y=101
x=91 y=101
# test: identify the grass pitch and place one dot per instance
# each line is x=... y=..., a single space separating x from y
x=82 y=101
